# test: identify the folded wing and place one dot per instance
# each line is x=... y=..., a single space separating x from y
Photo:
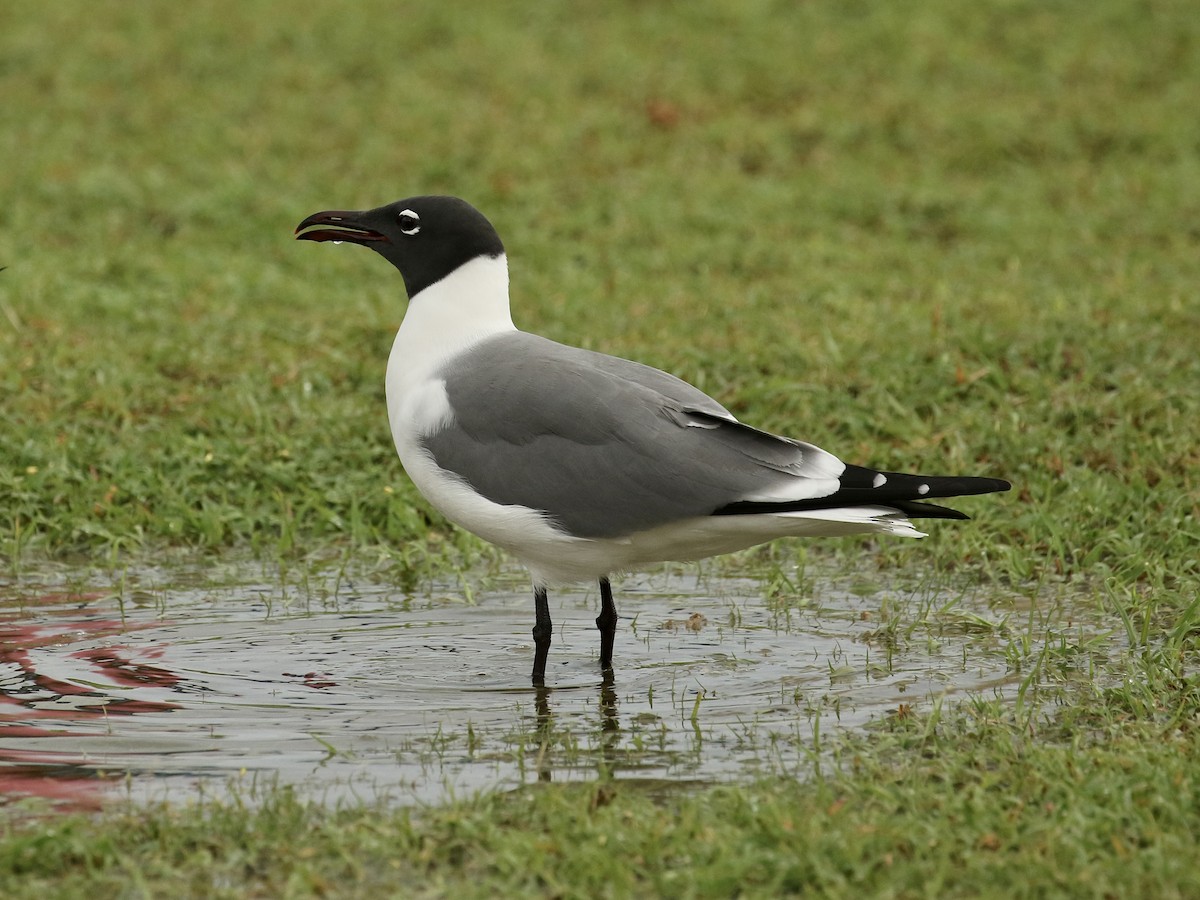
x=605 y=447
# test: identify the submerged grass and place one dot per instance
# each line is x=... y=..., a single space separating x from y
x=958 y=237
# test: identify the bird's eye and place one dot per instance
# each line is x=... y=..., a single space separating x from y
x=410 y=222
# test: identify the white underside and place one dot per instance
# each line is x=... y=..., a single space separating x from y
x=471 y=305
x=554 y=557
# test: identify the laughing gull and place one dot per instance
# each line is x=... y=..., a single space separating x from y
x=578 y=463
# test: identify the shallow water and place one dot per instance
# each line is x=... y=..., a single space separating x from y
x=167 y=684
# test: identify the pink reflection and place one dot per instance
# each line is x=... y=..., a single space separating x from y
x=316 y=680
x=29 y=697
x=71 y=788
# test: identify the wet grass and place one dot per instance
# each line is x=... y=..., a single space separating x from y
x=1105 y=806
x=960 y=237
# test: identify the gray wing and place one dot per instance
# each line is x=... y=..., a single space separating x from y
x=604 y=446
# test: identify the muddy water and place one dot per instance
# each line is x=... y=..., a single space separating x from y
x=165 y=684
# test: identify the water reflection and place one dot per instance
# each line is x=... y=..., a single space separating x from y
x=350 y=688
x=608 y=728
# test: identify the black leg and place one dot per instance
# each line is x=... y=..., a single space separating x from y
x=541 y=634
x=607 y=623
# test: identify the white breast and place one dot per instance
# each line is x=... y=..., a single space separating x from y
x=443 y=321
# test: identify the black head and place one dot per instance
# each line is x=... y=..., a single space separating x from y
x=426 y=238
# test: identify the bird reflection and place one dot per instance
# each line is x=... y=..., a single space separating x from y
x=609 y=727
x=541 y=704
x=545 y=727
x=608 y=705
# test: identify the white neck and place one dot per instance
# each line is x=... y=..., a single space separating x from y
x=467 y=306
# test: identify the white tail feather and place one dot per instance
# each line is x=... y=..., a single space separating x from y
x=881 y=518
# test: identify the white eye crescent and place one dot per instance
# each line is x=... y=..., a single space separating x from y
x=410 y=222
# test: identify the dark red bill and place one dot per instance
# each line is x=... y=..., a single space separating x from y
x=344 y=227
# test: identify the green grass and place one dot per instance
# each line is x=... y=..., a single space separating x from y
x=1085 y=811
x=957 y=237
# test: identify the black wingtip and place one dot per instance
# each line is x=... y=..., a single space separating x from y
x=861 y=486
x=979 y=485
x=915 y=510
x=866 y=485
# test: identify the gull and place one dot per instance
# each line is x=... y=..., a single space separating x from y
x=580 y=464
